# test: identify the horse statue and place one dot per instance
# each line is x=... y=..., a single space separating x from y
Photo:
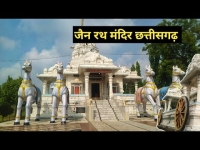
x=175 y=87
x=60 y=94
x=148 y=92
x=56 y=109
x=29 y=94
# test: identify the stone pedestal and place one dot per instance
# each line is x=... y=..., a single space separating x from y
x=126 y=114
x=193 y=123
x=90 y=112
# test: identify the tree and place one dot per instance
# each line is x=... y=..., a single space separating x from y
x=5 y=109
x=133 y=86
x=133 y=67
x=125 y=86
x=163 y=56
x=9 y=90
x=140 y=83
x=0 y=94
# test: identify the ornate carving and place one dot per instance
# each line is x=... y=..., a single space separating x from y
x=124 y=69
x=194 y=63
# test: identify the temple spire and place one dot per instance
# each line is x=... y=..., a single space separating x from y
x=82 y=22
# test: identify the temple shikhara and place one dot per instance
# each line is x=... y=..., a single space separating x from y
x=89 y=76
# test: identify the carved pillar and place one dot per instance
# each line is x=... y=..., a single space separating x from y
x=44 y=87
x=136 y=85
x=86 y=83
x=47 y=87
x=198 y=88
x=121 y=91
x=110 y=79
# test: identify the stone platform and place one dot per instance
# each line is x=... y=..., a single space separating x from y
x=81 y=124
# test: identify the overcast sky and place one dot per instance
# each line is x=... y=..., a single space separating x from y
x=45 y=40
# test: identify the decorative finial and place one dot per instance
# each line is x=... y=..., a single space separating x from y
x=82 y=22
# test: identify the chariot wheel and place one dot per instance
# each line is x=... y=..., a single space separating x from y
x=159 y=116
x=181 y=113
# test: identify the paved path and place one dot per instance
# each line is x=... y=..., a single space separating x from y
x=134 y=124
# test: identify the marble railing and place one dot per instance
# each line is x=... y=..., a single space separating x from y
x=128 y=100
x=73 y=98
x=76 y=100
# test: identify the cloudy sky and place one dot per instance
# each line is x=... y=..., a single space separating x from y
x=46 y=41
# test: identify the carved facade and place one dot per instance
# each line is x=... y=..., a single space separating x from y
x=191 y=83
x=90 y=75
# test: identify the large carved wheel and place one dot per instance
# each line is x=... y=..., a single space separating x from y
x=181 y=113
x=159 y=116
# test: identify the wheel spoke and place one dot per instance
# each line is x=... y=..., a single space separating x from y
x=180 y=121
x=183 y=108
x=182 y=116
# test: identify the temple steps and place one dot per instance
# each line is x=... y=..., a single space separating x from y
x=107 y=110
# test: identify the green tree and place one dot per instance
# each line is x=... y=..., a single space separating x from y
x=163 y=56
x=140 y=83
x=0 y=94
x=133 y=67
x=132 y=86
x=125 y=86
x=9 y=90
x=5 y=109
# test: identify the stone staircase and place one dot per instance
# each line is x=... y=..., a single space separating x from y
x=106 y=110
x=116 y=110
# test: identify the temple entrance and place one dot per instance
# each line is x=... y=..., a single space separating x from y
x=95 y=91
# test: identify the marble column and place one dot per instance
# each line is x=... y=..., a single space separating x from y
x=86 y=83
x=121 y=91
x=136 y=85
x=48 y=88
x=44 y=87
x=110 y=79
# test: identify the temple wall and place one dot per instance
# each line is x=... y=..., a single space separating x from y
x=46 y=109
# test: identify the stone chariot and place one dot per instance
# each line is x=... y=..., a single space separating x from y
x=186 y=115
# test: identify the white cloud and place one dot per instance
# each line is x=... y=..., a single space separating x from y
x=60 y=30
x=7 y=43
x=128 y=58
x=44 y=59
x=14 y=71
